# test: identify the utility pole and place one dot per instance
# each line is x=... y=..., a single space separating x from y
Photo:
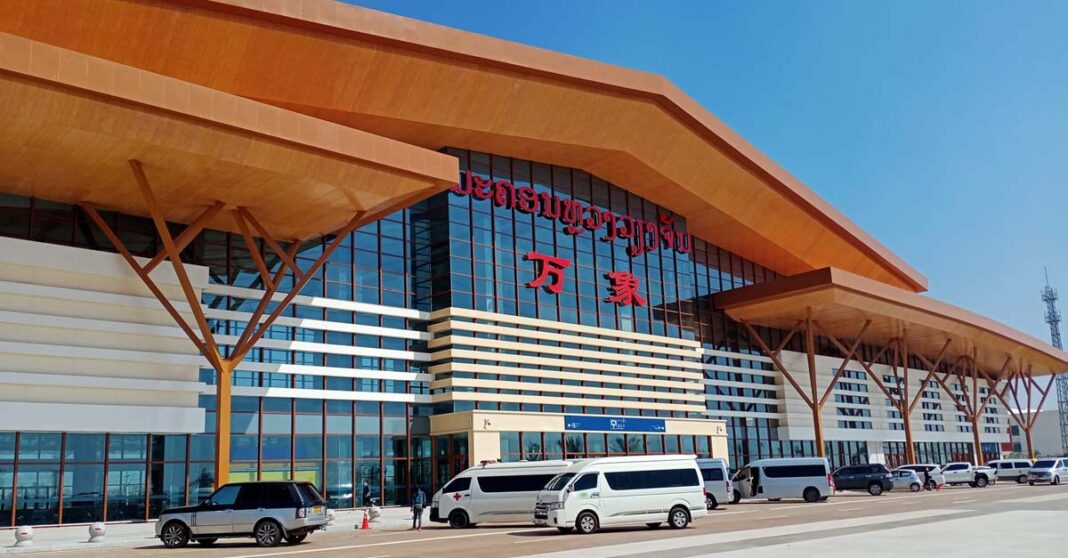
x=1053 y=318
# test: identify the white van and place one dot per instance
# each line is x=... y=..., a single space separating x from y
x=649 y=489
x=717 y=481
x=494 y=492
x=798 y=477
x=1011 y=469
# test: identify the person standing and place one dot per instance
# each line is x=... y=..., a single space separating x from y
x=418 y=502
x=366 y=494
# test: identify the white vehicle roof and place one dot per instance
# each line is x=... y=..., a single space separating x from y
x=712 y=460
x=788 y=461
x=517 y=467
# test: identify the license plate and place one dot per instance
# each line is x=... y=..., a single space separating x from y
x=317 y=509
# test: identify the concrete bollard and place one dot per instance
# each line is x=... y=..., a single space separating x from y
x=375 y=512
x=331 y=517
x=24 y=536
x=97 y=531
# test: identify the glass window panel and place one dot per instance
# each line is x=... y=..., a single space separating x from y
x=37 y=493
x=126 y=491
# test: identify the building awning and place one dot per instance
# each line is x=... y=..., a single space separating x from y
x=70 y=123
x=840 y=302
x=436 y=87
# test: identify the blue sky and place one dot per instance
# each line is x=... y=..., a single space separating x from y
x=939 y=127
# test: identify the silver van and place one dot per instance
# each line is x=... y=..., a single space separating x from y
x=266 y=511
x=1053 y=471
x=1011 y=469
x=718 y=489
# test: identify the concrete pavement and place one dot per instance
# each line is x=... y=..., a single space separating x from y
x=126 y=535
x=982 y=522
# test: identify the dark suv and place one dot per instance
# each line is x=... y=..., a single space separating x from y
x=876 y=478
x=266 y=511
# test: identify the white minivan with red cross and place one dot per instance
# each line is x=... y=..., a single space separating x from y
x=493 y=493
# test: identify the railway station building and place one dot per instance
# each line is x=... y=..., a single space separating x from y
x=247 y=239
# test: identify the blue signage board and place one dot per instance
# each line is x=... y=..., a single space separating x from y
x=613 y=424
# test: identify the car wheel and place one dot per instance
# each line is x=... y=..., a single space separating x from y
x=711 y=503
x=206 y=542
x=586 y=523
x=459 y=520
x=981 y=482
x=1032 y=483
x=915 y=487
x=296 y=539
x=736 y=497
x=1021 y=479
x=811 y=495
x=268 y=533
x=564 y=530
x=174 y=535
x=875 y=489
x=1056 y=480
x=678 y=517
x=655 y=525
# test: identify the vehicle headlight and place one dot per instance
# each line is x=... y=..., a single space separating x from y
x=555 y=506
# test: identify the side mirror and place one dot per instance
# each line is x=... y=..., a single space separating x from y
x=570 y=488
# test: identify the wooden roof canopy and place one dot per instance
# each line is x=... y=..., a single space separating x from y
x=841 y=302
x=70 y=124
x=432 y=87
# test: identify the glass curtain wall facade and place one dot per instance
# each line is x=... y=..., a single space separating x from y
x=361 y=409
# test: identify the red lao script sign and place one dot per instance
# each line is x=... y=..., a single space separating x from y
x=548 y=267
x=625 y=289
x=577 y=216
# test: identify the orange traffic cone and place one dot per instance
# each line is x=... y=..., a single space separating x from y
x=366 y=521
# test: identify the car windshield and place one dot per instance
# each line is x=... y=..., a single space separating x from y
x=559 y=481
x=1044 y=464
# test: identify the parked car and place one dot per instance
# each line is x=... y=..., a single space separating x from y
x=962 y=472
x=267 y=511
x=875 y=478
x=649 y=489
x=1011 y=469
x=493 y=492
x=800 y=477
x=718 y=487
x=907 y=478
x=1051 y=471
x=929 y=473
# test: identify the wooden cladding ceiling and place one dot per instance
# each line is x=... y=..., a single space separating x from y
x=841 y=302
x=432 y=87
x=69 y=123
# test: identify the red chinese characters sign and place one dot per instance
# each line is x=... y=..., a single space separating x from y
x=577 y=216
x=548 y=268
x=625 y=289
x=549 y=274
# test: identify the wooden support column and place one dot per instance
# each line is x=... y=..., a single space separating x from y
x=1027 y=417
x=817 y=409
x=906 y=412
x=255 y=329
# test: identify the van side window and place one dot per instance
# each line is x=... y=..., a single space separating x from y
x=712 y=474
x=640 y=480
x=513 y=483
x=461 y=484
x=586 y=482
x=788 y=471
